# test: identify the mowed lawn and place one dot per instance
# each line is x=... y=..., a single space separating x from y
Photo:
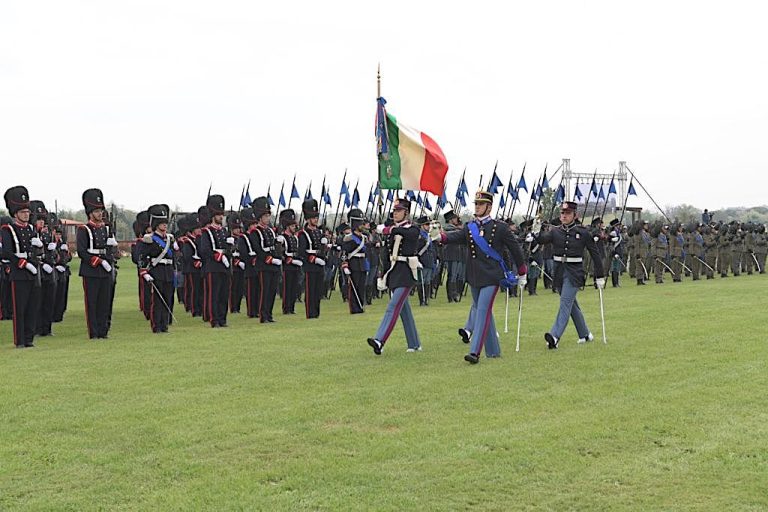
x=671 y=414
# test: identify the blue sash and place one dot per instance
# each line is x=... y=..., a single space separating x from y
x=159 y=241
x=358 y=241
x=510 y=279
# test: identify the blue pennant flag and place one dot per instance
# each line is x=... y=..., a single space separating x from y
x=495 y=183
x=269 y=199
x=246 y=202
x=347 y=201
x=309 y=194
x=355 y=198
x=502 y=201
x=427 y=205
x=410 y=195
x=545 y=182
x=294 y=191
x=442 y=200
x=327 y=198
x=539 y=191
x=560 y=195
x=390 y=196
x=611 y=188
x=601 y=195
x=418 y=200
x=344 y=188
x=593 y=188
x=463 y=186
x=462 y=200
x=513 y=193
x=577 y=194
x=632 y=191
x=281 y=201
x=521 y=184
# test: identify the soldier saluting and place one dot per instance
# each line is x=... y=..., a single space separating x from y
x=96 y=265
x=19 y=242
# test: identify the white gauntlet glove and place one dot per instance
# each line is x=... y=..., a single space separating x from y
x=320 y=261
x=435 y=231
x=600 y=282
x=230 y=240
x=241 y=264
x=380 y=228
x=36 y=242
x=64 y=247
x=522 y=281
x=324 y=241
x=529 y=237
x=52 y=246
x=112 y=241
x=48 y=269
x=148 y=278
x=280 y=239
x=106 y=266
x=225 y=261
x=347 y=271
x=298 y=263
x=31 y=268
x=61 y=268
x=534 y=263
x=175 y=246
x=276 y=262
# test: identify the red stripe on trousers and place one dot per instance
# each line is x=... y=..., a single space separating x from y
x=15 y=314
x=488 y=315
x=395 y=316
x=87 y=318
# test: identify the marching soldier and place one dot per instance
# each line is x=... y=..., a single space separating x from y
x=354 y=263
x=237 y=280
x=292 y=265
x=215 y=250
x=400 y=278
x=487 y=239
x=455 y=257
x=96 y=265
x=267 y=261
x=63 y=258
x=569 y=240
x=427 y=259
x=311 y=246
x=156 y=257
x=19 y=241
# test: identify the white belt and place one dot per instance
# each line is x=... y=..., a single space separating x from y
x=164 y=261
x=405 y=258
x=311 y=251
x=358 y=255
x=568 y=259
x=289 y=254
x=97 y=251
x=20 y=255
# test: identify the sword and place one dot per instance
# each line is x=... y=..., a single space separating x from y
x=506 y=311
x=645 y=270
x=352 y=285
x=519 y=317
x=686 y=267
x=756 y=263
x=665 y=265
x=705 y=263
x=163 y=300
x=602 y=314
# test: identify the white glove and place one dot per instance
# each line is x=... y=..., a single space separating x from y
x=52 y=246
x=434 y=231
x=298 y=263
x=64 y=247
x=347 y=271
x=112 y=241
x=616 y=256
x=595 y=238
x=225 y=261
x=600 y=282
x=522 y=281
x=534 y=263
x=147 y=239
x=105 y=264
x=280 y=238
x=48 y=269
x=241 y=264
x=230 y=240
x=175 y=246
x=320 y=261
x=529 y=237
x=276 y=262
x=148 y=278
x=614 y=239
x=380 y=228
x=324 y=241
x=32 y=269
x=36 y=242
x=61 y=268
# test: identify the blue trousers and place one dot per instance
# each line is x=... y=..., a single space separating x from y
x=398 y=306
x=456 y=271
x=569 y=308
x=481 y=323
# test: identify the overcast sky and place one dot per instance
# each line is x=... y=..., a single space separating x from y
x=153 y=100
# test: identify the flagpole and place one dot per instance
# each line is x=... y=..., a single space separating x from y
x=624 y=206
x=649 y=195
x=589 y=194
x=338 y=203
x=516 y=197
x=459 y=190
x=605 y=204
x=282 y=188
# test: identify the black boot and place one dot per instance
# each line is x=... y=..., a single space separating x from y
x=449 y=287
x=615 y=279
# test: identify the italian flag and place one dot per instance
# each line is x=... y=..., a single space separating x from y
x=413 y=160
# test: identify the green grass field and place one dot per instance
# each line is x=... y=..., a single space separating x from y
x=300 y=415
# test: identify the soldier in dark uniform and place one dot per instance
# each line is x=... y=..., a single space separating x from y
x=246 y=246
x=6 y=301
x=215 y=252
x=156 y=257
x=96 y=265
x=19 y=240
x=660 y=252
x=140 y=228
x=291 y=264
x=47 y=260
x=268 y=263
x=569 y=240
x=63 y=258
x=311 y=249
x=485 y=273
x=761 y=248
x=192 y=265
x=373 y=255
x=455 y=258
x=400 y=277
x=428 y=259
x=617 y=252
x=354 y=261
x=237 y=282
x=677 y=253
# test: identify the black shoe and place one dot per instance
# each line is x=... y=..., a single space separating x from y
x=29 y=345
x=551 y=341
x=472 y=358
x=465 y=335
x=375 y=345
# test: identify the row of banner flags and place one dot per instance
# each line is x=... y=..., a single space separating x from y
x=411 y=161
